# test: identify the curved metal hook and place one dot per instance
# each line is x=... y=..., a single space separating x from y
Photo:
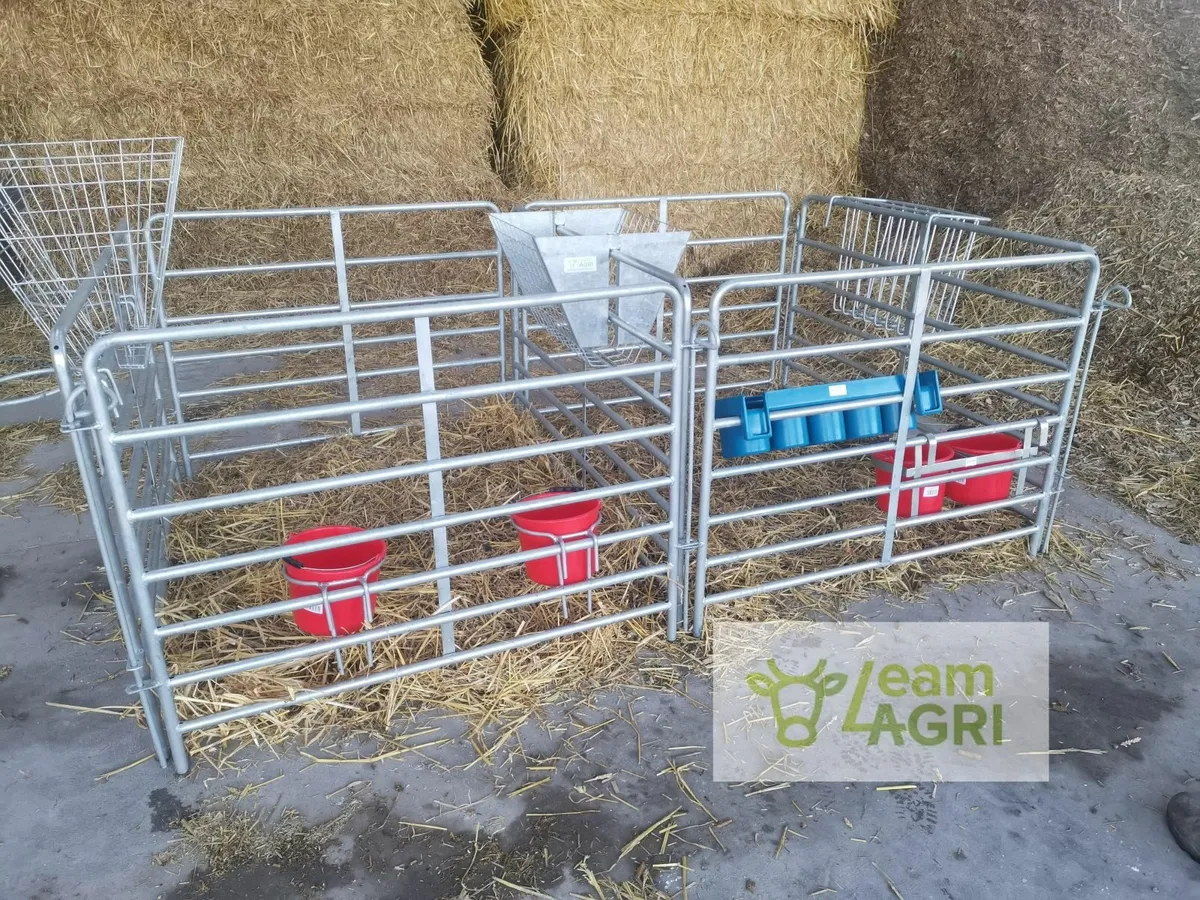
x=1106 y=303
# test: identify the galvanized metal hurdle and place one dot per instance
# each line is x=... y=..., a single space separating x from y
x=1041 y=405
x=141 y=511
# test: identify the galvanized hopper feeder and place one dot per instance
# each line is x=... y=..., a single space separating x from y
x=551 y=251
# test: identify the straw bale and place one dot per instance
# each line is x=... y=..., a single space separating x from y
x=1139 y=428
x=287 y=102
x=875 y=13
x=609 y=104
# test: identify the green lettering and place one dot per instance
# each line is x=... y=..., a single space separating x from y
x=997 y=724
x=978 y=718
x=860 y=691
x=937 y=730
x=885 y=720
x=968 y=674
x=893 y=680
x=927 y=681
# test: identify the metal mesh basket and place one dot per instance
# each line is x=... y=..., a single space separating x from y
x=888 y=232
x=62 y=204
x=566 y=250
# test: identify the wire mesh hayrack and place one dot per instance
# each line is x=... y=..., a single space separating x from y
x=62 y=204
x=876 y=232
x=551 y=251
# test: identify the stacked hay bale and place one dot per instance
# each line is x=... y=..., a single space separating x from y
x=282 y=102
x=611 y=97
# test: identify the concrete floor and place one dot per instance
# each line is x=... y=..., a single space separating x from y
x=1095 y=830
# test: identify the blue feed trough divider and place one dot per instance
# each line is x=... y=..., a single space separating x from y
x=758 y=434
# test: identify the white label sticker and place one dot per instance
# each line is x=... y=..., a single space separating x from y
x=837 y=390
x=970 y=461
x=931 y=491
x=317 y=610
x=579 y=264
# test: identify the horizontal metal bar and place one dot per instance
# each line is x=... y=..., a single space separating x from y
x=221 y=452
x=645 y=338
x=914 y=440
x=867 y=205
x=206 y=318
x=600 y=404
x=271 y=554
x=361 y=375
x=748 y=239
x=869 y=273
x=399 y=629
x=938 y=325
x=337 y=482
x=958 y=390
x=957 y=512
x=285 y=312
x=906 y=483
x=817 y=540
x=793 y=506
x=924 y=357
x=811 y=577
x=460 y=656
x=799 y=279
x=763 y=356
x=190 y=356
x=292 y=212
x=382 y=404
x=400 y=582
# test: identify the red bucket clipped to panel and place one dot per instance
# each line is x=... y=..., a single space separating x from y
x=334 y=569
x=559 y=525
x=932 y=495
x=984 y=488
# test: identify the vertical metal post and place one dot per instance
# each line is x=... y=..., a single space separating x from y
x=343 y=288
x=143 y=601
x=502 y=317
x=1039 y=541
x=920 y=304
x=798 y=233
x=782 y=268
x=680 y=400
x=713 y=361
x=433 y=452
x=157 y=267
x=110 y=558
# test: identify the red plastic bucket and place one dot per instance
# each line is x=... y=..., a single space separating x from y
x=932 y=495
x=539 y=528
x=983 y=488
x=336 y=569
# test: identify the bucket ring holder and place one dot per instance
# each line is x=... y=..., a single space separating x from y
x=327 y=604
x=560 y=542
x=925 y=464
x=1035 y=437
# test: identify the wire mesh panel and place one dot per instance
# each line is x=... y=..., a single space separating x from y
x=62 y=204
x=868 y=233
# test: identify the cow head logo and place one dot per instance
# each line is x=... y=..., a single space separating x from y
x=796 y=730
